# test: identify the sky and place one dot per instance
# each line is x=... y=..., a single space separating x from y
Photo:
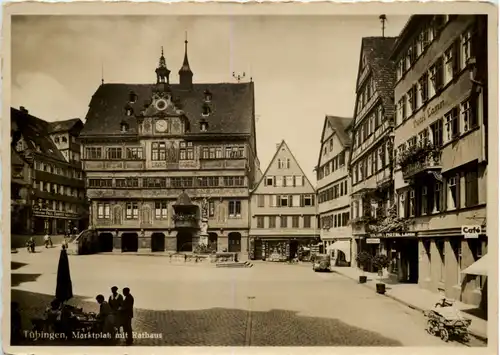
x=303 y=67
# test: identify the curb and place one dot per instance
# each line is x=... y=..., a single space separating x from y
x=409 y=305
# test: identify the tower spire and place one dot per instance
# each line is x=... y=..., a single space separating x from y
x=185 y=73
x=162 y=72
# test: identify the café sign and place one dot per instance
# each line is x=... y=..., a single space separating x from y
x=471 y=232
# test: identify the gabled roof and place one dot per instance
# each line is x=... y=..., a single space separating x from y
x=232 y=110
x=64 y=126
x=377 y=51
x=275 y=156
x=341 y=127
x=35 y=133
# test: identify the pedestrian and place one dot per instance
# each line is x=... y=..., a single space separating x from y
x=31 y=245
x=126 y=315
x=46 y=240
x=105 y=317
x=115 y=302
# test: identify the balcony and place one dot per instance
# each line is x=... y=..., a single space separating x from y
x=420 y=160
x=185 y=221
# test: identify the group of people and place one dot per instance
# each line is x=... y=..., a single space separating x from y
x=117 y=313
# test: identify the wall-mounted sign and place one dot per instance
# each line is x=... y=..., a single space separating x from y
x=471 y=231
x=428 y=113
x=372 y=240
x=49 y=213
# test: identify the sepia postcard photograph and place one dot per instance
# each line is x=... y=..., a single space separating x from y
x=233 y=178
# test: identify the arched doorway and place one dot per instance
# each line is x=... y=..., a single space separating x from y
x=184 y=241
x=105 y=242
x=234 y=241
x=130 y=242
x=157 y=242
x=212 y=241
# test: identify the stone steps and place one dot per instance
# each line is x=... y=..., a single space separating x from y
x=245 y=264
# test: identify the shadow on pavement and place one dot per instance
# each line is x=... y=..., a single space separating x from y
x=14 y=265
x=215 y=327
x=17 y=279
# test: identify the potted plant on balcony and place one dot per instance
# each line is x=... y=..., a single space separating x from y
x=363 y=259
x=381 y=262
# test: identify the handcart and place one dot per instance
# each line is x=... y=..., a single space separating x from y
x=447 y=323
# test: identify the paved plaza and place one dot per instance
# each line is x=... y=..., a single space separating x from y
x=201 y=305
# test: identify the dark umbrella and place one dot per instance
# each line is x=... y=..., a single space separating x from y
x=64 y=288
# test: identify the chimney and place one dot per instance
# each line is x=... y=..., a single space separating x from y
x=23 y=109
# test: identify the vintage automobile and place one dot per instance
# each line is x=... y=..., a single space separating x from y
x=321 y=262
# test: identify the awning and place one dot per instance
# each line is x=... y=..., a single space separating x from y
x=342 y=245
x=480 y=267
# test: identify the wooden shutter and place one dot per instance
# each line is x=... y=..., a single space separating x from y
x=302 y=201
x=303 y=181
x=274 y=181
x=290 y=200
x=312 y=200
x=278 y=201
x=458 y=188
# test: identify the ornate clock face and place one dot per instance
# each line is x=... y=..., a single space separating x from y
x=161 y=125
x=161 y=104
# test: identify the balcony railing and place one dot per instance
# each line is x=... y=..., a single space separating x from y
x=185 y=221
x=418 y=167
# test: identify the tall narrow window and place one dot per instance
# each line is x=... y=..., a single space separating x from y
x=437 y=133
x=424 y=201
x=471 y=188
x=453 y=191
x=272 y=221
x=284 y=221
x=234 y=209
x=161 y=210
x=466 y=44
x=468 y=116
x=260 y=221
x=132 y=211
x=452 y=129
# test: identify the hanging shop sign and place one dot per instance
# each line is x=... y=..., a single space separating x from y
x=372 y=240
x=396 y=235
x=471 y=232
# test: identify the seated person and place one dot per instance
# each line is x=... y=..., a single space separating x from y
x=53 y=315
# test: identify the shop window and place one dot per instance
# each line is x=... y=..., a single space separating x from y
x=260 y=221
x=456 y=246
x=440 y=249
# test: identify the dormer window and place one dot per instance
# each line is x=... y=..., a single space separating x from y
x=132 y=97
x=124 y=127
x=203 y=126
x=208 y=96
x=64 y=139
x=206 y=110
x=56 y=139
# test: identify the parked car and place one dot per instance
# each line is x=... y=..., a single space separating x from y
x=321 y=262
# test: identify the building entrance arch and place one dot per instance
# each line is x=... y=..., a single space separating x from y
x=130 y=242
x=157 y=242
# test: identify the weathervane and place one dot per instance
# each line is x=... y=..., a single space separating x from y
x=238 y=77
x=383 y=19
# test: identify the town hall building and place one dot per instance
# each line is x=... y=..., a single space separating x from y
x=170 y=165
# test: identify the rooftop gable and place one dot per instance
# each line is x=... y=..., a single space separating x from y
x=291 y=167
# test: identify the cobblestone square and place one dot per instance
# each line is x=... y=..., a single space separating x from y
x=269 y=304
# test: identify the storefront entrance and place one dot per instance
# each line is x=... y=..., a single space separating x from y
x=184 y=241
x=157 y=242
x=403 y=253
x=234 y=240
x=130 y=242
